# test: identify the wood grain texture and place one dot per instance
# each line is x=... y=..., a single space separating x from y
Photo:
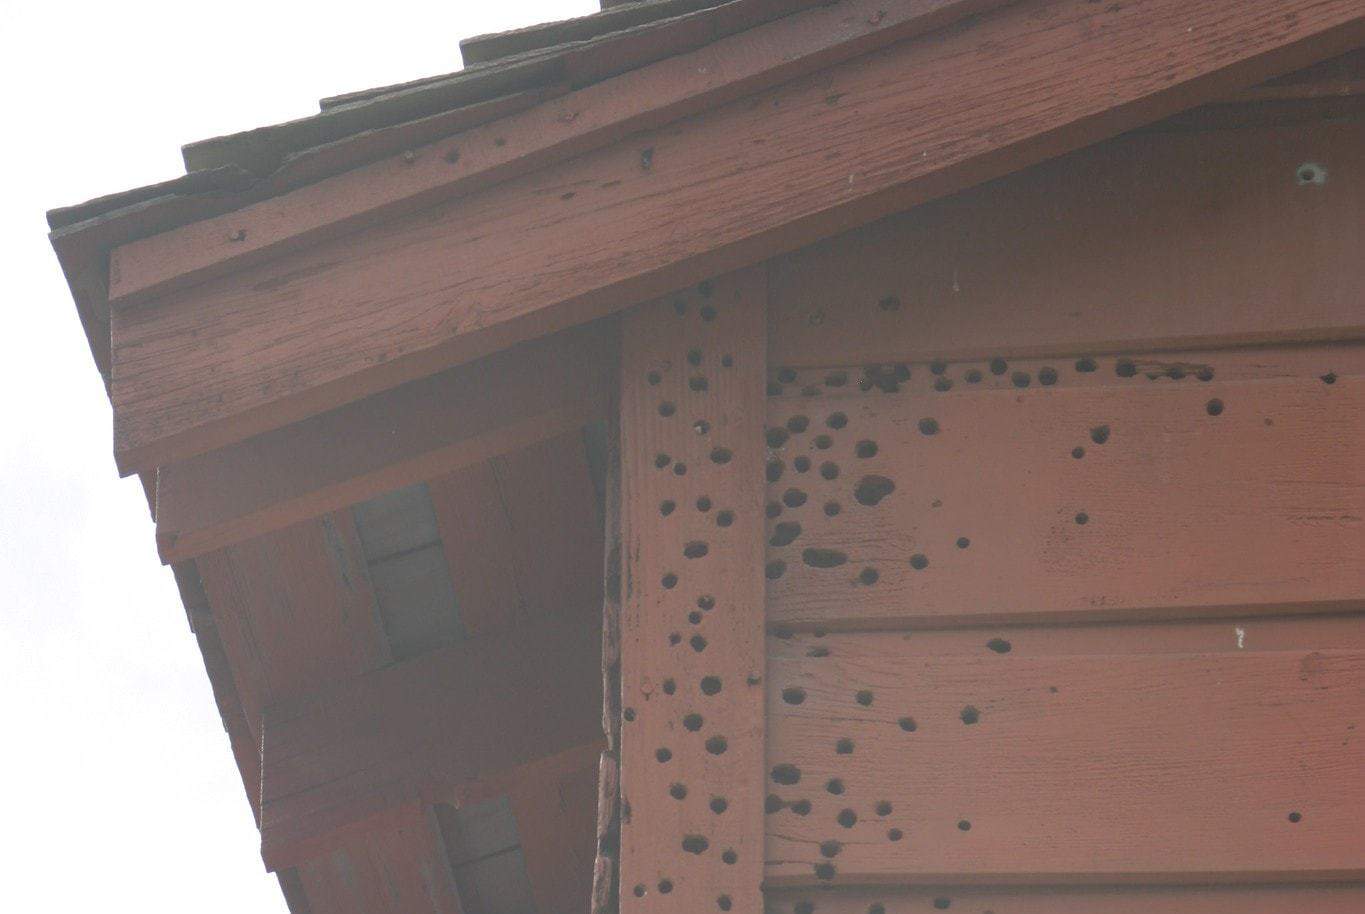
x=645 y=98
x=1152 y=240
x=418 y=431
x=1107 y=493
x=1320 y=899
x=691 y=774
x=1026 y=766
x=411 y=732
x=308 y=331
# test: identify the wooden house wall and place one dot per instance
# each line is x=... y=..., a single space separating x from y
x=1065 y=511
x=1048 y=495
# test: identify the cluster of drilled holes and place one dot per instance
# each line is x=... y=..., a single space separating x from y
x=888 y=378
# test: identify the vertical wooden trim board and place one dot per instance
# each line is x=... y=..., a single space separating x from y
x=692 y=667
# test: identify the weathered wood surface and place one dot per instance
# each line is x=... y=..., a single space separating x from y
x=1133 y=489
x=646 y=98
x=418 y=431
x=267 y=346
x=1026 y=766
x=412 y=732
x=1320 y=899
x=692 y=378
x=1151 y=240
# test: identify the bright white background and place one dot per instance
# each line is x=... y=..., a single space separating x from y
x=120 y=792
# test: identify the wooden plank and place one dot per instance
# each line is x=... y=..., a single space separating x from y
x=398 y=870
x=1112 y=493
x=478 y=542
x=691 y=775
x=648 y=97
x=556 y=821
x=1161 y=765
x=505 y=526
x=1236 y=248
x=294 y=612
x=410 y=733
x=552 y=508
x=1320 y=899
x=641 y=17
x=393 y=439
x=924 y=118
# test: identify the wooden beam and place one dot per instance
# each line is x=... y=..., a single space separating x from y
x=691 y=514
x=1126 y=762
x=556 y=822
x=1160 y=485
x=505 y=524
x=419 y=431
x=228 y=358
x=412 y=733
x=646 y=98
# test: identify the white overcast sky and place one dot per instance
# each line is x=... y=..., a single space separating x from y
x=120 y=790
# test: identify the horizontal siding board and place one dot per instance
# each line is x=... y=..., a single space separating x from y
x=1318 y=899
x=1258 y=508
x=1234 y=249
x=1158 y=766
